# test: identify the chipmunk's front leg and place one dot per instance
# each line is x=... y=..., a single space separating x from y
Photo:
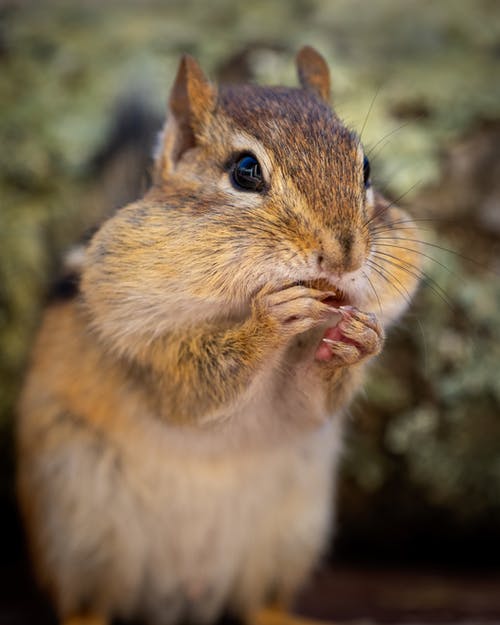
x=206 y=369
x=357 y=337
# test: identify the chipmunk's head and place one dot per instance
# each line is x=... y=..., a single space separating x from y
x=256 y=185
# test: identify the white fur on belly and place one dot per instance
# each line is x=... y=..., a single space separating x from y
x=180 y=533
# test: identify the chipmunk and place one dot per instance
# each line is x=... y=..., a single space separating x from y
x=181 y=420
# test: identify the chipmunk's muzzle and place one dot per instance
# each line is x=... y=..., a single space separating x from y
x=343 y=252
x=321 y=284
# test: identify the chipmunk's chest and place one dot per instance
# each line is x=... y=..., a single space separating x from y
x=212 y=530
x=287 y=396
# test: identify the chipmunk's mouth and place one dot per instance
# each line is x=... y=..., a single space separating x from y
x=339 y=298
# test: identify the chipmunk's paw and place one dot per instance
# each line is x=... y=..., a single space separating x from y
x=357 y=336
x=293 y=310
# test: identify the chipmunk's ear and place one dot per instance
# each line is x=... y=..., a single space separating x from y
x=192 y=100
x=313 y=71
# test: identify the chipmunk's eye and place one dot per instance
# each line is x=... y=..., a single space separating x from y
x=366 y=172
x=246 y=174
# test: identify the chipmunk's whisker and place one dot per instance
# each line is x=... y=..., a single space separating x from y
x=389 y=228
x=375 y=95
x=367 y=277
x=420 y=242
x=386 y=275
x=419 y=252
x=385 y=208
x=383 y=273
x=416 y=273
x=395 y=227
x=401 y=262
x=436 y=220
x=409 y=220
x=386 y=136
x=439 y=247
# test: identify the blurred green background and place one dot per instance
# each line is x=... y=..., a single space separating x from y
x=421 y=79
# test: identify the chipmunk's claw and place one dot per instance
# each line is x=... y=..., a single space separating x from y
x=293 y=310
x=357 y=336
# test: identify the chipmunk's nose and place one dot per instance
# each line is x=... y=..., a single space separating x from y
x=341 y=253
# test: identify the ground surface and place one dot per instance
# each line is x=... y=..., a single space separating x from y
x=360 y=595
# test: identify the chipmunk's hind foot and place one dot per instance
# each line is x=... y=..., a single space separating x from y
x=280 y=616
x=86 y=620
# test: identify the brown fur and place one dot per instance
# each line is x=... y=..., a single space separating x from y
x=180 y=424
